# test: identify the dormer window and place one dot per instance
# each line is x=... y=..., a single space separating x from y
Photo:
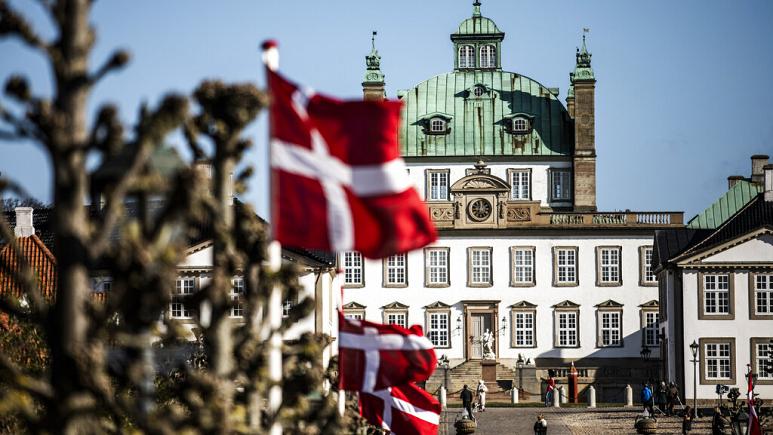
x=479 y=90
x=466 y=56
x=519 y=123
x=437 y=125
x=488 y=56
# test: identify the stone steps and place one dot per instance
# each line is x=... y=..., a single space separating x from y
x=469 y=373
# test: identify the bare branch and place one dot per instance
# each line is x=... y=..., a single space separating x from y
x=13 y=24
x=21 y=381
x=117 y=60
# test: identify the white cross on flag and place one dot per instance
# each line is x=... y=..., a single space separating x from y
x=338 y=182
x=372 y=356
x=404 y=410
x=753 y=427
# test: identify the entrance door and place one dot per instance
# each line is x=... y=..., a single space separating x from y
x=479 y=324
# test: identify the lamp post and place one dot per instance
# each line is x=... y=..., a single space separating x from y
x=443 y=363
x=519 y=366
x=694 y=360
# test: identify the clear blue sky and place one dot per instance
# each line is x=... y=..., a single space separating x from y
x=684 y=90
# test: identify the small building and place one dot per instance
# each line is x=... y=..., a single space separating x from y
x=715 y=282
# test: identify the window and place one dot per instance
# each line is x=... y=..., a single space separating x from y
x=523 y=328
x=519 y=125
x=567 y=329
x=183 y=288
x=762 y=359
x=608 y=265
x=520 y=184
x=237 y=294
x=716 y=296
x=395 y=271
x=287 y=306
x=717 y=360
x=438 y=328
x=354 y=315
x=395 y=318
x=610 y=328
x=479 y=267
x=523 y=265
x=437 y=125
x=436 y=267
x=646 y=276
x=488 y=56
x=651 y=328
x=761 y=292
x=466 y=56
x=560 y=185
x=437 y=185
x=565 y=266
x=353 y=269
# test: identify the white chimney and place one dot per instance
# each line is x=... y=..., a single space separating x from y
x=24 y=226
x=768 y=182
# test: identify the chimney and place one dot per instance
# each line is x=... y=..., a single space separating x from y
x=768 y=171
x=24 y=226
x=731 y=180
x=758 y=162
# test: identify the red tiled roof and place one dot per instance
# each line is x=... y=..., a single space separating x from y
x=37 y=255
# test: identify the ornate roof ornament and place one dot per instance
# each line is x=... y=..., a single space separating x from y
x=476 y=8
x=373 y=72
x=583 y=69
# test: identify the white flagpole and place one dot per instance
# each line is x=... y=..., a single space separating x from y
x=274 y=306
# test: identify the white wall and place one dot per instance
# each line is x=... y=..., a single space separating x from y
x=544 y=295
x=742 y=328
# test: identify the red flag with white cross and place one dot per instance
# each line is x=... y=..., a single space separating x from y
x=404 y=410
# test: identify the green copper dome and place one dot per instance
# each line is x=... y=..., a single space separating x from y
x=477 y=24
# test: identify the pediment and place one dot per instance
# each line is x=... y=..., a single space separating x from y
x=395 y=306
x=566 y=304
x=522 y=304
x=651 y=304
x=609 y=303
x=436 y=305
x=480 y=183
x=755 y=247
x=353 y=306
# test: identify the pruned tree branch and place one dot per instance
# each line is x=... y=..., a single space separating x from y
x=117 y=60
x=12 y=24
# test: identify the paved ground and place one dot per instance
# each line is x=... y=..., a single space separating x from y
x=571 y=421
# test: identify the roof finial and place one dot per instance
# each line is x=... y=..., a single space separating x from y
x=476 y=8
x=373 y=40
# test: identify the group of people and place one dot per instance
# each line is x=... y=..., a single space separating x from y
x=468 y=399
x=663 y=399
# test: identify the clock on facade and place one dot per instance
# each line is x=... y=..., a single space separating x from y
x=479 y=209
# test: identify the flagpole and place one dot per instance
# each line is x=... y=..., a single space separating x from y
x=274 y=307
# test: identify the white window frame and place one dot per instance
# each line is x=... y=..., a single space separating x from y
x=522 y=265
x=610 y=328
x=609 y=260
x=437 y=125
x=520 y=184
x=762 y=352
x=184 y=288
x=396 y=317
x=761 y=286
x=466 y=56
x=236 y=295
x=646 y=275
x=560 y=185
x=437 y=267
x=479 y=266
x=524 y=329
x=718 y=358
x=396 y=270
x=488 y=56
x=650 y=328
x=354 y=269
x=565 y=266
x=439 y=328
x=716 y=294
x=438 y=184
x=567 y=322
x=520 y=125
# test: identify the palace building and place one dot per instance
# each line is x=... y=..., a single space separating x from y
x=508 y=172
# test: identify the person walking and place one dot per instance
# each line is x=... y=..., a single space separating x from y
x=482 y=390
x=719 y=422
x=687 y=420
x=551 y=388
x=646 y=399
x=466 y=397
x=673 y=398
x=662 y=397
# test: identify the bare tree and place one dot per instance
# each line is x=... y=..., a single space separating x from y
x=81 y=392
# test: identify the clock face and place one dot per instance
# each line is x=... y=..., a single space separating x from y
x=479 y=209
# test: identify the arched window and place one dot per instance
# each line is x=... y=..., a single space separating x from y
x=466 y=56
x=437 y=125
x=488 y=56
x=520 y=125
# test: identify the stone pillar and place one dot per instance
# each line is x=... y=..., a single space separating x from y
x=628 y=396
x=563 y=394
x=591 y=397
x=556 y=398
x=443 y=397
x=514 y=396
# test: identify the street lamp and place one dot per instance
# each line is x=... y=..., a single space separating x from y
x=519 y=366
x=694 y=360
x=443 y=363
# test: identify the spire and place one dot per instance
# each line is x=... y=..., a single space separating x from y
x=373 y=84
x=476 y=8
x=583 y=69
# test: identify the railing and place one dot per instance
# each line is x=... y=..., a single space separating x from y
x=653 y=218
x=616 y=218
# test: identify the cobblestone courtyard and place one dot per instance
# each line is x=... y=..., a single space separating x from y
x=572 y=421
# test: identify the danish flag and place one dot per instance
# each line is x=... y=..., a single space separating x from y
x=406 y=409
x=339 y=183
x=754 y=420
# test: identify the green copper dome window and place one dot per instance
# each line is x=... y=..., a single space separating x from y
x=488 y=56
x=466 y=56
x=479 y=90
x=437 y=125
